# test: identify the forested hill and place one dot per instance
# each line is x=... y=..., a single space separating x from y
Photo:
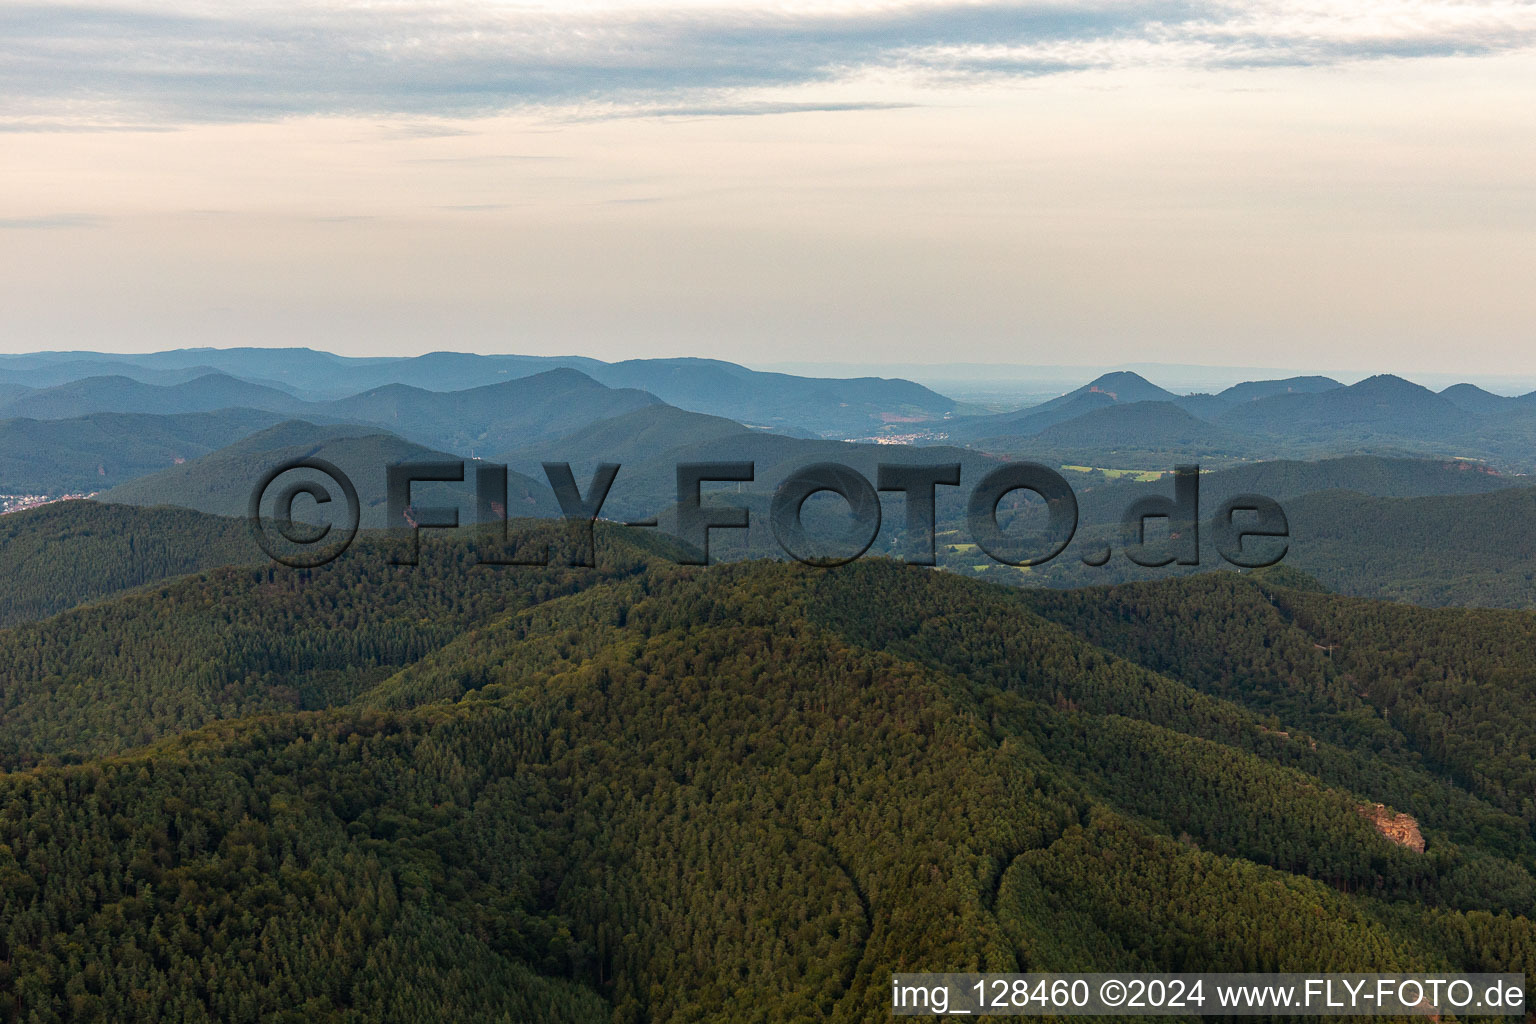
x=646 y=792
x=1450 y=688
x=246 y=639
x=1466 y=550
x=220 y=483
x=65 y=554
x=93 y=453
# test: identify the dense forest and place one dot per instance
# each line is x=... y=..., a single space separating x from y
x=64 y=554
x=91 y=453
x=646 y=792
x=1449 y=549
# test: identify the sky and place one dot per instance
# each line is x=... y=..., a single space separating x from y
x=1332 y=186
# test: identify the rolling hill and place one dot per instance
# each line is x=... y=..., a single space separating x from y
x=1251 y=391
x=1474 y=399
x=1208 y=406
x=1463 y=549
x=1391 y=679
x=481 y=419
x=1118 y=389
x=1143 y=426
x=491 y=418
x=324 y=375
x=293 y=369
x=1030 y=421
x=536 y=794
x=1292 y=418
x=845 y=407
x=50 y=370
x=1107 y=390
x=1374 y=542
x=642 y=435
x=123 y=394
x=1365 y=474
x=1377 y=407
x=221 y=482
x=1121 y=387
x=650 y=445
x=68 y=553
x=1103 y=499
x=92 y=453
x=1475 y=550
x=832 y=407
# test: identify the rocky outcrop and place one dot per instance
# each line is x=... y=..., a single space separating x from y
x=1402 y=829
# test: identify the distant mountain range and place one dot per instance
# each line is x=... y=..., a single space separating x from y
x=830 y=407
x=99 y=433
x=221 y=482
x=651 y=441
x=1381 y=406
x=1127 y=421
x=483 y=420
x=1122 y=388
x=124 y=394
x=474 y=421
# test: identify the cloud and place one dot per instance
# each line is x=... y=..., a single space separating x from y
x=33 y=126
x=51 y=221
x=139 y=63
x=754 y=109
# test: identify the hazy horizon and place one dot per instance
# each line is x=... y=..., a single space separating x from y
x=957 y=379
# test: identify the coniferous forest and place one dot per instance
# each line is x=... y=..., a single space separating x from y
x=647 y=792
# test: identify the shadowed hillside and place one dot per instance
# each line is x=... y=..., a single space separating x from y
x=221 y=483
x=65 y=554
x=95 y=452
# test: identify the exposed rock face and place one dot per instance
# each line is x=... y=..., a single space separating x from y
x=1402 y=829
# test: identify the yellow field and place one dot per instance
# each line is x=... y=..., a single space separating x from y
x=1141 y=476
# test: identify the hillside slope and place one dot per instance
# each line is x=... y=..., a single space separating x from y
x=649 y=793
x=1140 y=425
x=1467 y=549
x=221 y=482
x=92 y=453
x=1103 y=499
x=67 y=553
x=483 y=420
x=123 y=394
x=1383 y=406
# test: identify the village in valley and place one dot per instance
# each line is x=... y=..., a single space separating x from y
x=17 y=502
